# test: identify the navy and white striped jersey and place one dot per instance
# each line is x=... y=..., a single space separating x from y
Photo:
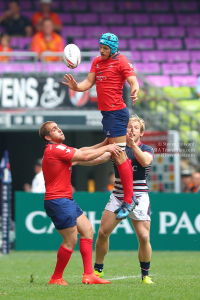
x=139 y=174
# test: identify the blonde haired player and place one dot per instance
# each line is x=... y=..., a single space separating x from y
x=141 y=157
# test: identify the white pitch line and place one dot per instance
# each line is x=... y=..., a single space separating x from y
x=124 y=277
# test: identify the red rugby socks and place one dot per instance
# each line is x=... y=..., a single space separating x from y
x=63 y=257
x=86 y=253
x=126 y=176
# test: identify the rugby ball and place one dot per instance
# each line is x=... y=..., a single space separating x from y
x=72 y=56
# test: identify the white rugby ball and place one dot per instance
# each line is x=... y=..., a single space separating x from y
x=72 y=56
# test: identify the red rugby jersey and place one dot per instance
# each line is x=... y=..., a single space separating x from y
x=111 y=74
x=57 y=170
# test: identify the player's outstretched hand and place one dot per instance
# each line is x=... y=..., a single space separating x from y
x=113 y=148
x=134 y=96
x=70 y=81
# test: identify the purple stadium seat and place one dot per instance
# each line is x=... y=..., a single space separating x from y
x=185 y=6
x=193 y=31
x=137 y=19
x=101 y=6
x=87 y=43
x=163 y=44
x=2 y=6
x=148 y=68
x=14 y=42
x=95 y=31
x=147 y=31
x=188 y=19
x=195 y=68
x=27 y=14
x=123 y=31
x=129 y=6
x=31 y=67
x=55 y=5
x=191 y=43
x=73 y=31
x=24 y=42
x=141 y=44
x=195 y=55
x=188 y=80
x=179 y=68
x=11 y=68
x=159 y=80
x=158 y=19
x=171 y=32
x=87 y=18
x=75 y=5
x=115 y=19
x=157 y=6
x=153 y=56
x=178 y=56
x=135 y=56
x=25 y=5
x=66 y=18
x=123 y=44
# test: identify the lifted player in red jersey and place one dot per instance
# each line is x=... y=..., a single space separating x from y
x=110 y=70
x=64 y=212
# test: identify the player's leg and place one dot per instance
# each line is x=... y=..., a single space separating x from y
x=115 y=125
x=107 y=225
x=142 y=229
x=63 y=214
x=84 y=227
x=140 y=218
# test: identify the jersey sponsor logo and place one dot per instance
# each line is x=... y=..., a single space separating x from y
x=101 y=78
x=61 y=147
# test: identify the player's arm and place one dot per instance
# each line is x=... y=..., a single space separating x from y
x=82 y=86
x=134 y=85
x=90 y=154
x=97 y=161
x=104 y=143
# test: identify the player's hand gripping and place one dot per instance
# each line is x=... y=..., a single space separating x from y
x=134 y=96
x=114 y=149
x=70 y=81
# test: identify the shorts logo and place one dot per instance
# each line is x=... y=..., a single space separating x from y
x=108 y=133
x=68 y=151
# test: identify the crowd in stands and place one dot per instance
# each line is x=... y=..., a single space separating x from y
x=44 y=29
x=190 y=181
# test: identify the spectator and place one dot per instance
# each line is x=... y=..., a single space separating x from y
x=38 y=185
x=186 y=181
x=198 y=86
x=45 y=13
x=110 y=186
x=14 y=23
x=47 y=40
x=5 y=47
x=195 y=183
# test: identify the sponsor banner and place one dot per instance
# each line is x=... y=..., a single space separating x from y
x=175 y=222
x=42 y=93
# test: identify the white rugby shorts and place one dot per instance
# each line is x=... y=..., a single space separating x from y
x=140 y=213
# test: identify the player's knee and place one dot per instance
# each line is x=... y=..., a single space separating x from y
x=102 y=234
x=143 y=238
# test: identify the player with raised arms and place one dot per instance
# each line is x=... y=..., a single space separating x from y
x=64 y=212
x=110 y=70
x=141 y=157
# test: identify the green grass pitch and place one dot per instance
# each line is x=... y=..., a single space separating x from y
x=176 y=276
